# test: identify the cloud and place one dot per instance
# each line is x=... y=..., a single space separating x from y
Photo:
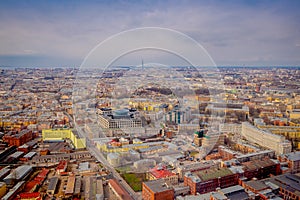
x=234 y=32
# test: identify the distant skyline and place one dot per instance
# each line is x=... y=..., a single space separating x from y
x=61 y=33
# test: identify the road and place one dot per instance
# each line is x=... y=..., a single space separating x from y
x=99 y=156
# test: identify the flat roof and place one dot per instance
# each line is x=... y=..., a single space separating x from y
x=70 y=185
x=213 y=173
x=257 y=185
x=294 y=156
x=52 y=183
x=30 y=154
x=157 y=185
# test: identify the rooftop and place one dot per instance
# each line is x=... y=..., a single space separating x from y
x=294 y=156
x=157 y=185
x=213 y=173
x=120 y=190
x=160 y=171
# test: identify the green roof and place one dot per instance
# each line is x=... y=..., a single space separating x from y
x=213 y=173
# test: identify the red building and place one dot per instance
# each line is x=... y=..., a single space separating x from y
x=30 y=196
x=260 y=168
x=156 y=190
x=161 y=172
x=208 y=180
x=62 y=166
x=18 y=139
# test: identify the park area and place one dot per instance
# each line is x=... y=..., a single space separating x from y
x=135 y=180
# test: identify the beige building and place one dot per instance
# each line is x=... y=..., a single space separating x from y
x=266 y=139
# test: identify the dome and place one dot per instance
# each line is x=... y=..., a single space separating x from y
x=121 y=112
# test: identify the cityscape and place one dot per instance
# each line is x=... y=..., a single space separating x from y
x=151 y=144
x=149 y=100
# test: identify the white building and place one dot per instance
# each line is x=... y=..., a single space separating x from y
x=266 y=139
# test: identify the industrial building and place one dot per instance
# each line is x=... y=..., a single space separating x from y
x=18 y=174
x=52 y=185
x=13 y=192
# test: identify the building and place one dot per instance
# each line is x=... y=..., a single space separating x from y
x=209 y=180
x=120 y=119
x=260 y=168
x=285 y=186
x=30 y=196
x=4 y=172
x=77 y=188
x=93 y=188
x=113 y=159
x=61 y=167
x=70 y=185
x=266 y=139
x=18 y=139
x=212 y=141
x=41 y=160
x=290 y=132
x=62 y=134
x=235 y=192
x=293 y=160
x=18 y=174
x=194 y=167
x=161 y=172
x=230 y=128
x=2 y=189
x=144 y=164
x=156 y=190
x=13 y=192
x=118 y=190
x=222 y=109
x=52 y=185
x=179 y=115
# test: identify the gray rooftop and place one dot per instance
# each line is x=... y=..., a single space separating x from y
x=157 y=185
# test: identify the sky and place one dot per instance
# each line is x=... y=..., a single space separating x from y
x=62 y=33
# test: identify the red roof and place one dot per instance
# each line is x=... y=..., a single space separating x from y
x=160 y=171
x=43 y=173
x=62 y=164
x=29 y=195
x=30 y=185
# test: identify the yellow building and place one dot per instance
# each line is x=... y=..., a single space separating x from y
x=61 y=134
x=2 y=189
